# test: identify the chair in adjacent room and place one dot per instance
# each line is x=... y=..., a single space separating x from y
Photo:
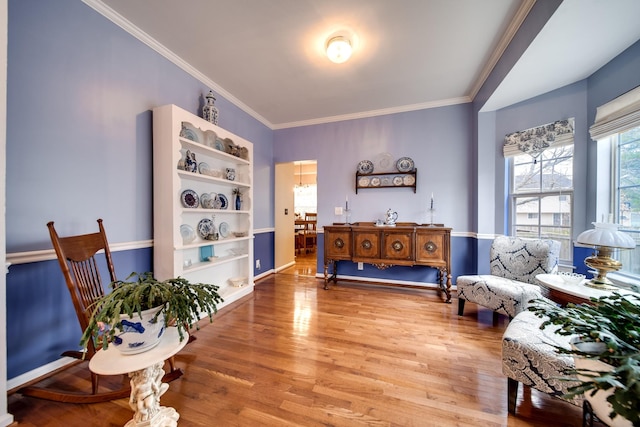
x=79 y=261
x=515 y=263
x=310 y=232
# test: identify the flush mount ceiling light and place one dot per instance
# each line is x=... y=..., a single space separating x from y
x=339 y=49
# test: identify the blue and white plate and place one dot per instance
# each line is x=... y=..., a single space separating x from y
x=204 y=168
x=365 y=167
x=220 y=202
x=405 y=164
x=219 y=144
x=206 y=229
x=190 y=199
x=223 y=229
x=189 y=132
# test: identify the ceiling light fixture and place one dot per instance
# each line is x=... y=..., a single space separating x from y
x=339 y=49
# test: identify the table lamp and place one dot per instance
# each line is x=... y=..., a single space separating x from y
x=604 y=238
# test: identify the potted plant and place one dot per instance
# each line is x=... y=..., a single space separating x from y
x=148 y=305
x=604 y=331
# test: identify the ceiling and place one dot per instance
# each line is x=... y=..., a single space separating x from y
x=267 y=56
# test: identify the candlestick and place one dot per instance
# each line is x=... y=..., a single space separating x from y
x=431 y=200
x=346 y=203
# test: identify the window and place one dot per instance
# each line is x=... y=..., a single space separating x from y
x=541 y=197
x=626 y=193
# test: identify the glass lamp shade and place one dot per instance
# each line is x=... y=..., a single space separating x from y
x=606 y=234
x=605 y=237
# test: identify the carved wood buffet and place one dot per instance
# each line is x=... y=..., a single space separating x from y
x=405 y=244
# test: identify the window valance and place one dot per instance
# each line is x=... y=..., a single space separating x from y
x=623 y=113
x=535 y=140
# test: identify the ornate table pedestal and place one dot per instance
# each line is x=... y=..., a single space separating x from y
x=145 y=371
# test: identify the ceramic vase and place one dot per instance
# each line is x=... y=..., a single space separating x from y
x=210 y=111
x=238 y=203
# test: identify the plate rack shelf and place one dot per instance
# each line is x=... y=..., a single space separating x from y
x=193 y=257
x=386 y=180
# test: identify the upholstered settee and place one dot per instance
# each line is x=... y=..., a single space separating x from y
x=529 y=357
x=514 y=264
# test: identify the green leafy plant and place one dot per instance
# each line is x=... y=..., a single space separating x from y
x=614 y=322
x=182 y=304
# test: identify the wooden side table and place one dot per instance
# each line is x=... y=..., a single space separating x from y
x=145 y=371
x=558 y=290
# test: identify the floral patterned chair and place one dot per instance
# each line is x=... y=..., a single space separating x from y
x=515 y=262
x=529 y=357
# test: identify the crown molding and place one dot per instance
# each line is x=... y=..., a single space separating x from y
x=374 y=113
x=145 y=38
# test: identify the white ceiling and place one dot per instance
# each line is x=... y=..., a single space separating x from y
x=267 y=56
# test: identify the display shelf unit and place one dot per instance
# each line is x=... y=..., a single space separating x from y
x=231 y=256
x=386 y=180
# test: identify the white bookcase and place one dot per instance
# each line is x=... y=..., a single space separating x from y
x=176 y=131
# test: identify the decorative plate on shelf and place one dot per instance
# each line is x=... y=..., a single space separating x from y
x=397 y=180
x=384 y=162
x=375 y=181
x=363 y=181
x=207 y=200
x=190 y=199
x=188 y=131
x=206 y=229
x=405 y=164
x=223 y=229
x=365 y=167
x=220 y=202
x=408 y=180
x=210 y=138
x=204 y=168
x=219 y=144
x=187 y=233
x=386 y=181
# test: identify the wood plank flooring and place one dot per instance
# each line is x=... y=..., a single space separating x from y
x=293 y=354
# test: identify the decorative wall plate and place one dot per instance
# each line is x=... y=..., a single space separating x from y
x=397 y=180
x=405 y=164
x=375 y=181
x=219 y=144
x=223 y=229
x=384 y=162
x=206 y=229
x=363 y=181
x=190 y=199
x=386 y=181
x=365 y=167
x=408 y=180
x=187 y=233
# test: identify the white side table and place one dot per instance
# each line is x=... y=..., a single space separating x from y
x=562 y=292
x=145 y=371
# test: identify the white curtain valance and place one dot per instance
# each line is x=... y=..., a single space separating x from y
x=623 y=113
x=535 y=140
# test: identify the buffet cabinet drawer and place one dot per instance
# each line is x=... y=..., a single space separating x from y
x=398 y=246
x=366 y=244
x=338 y=243
x=432 y=248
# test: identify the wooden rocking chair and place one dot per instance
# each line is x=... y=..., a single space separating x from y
x=77 y=259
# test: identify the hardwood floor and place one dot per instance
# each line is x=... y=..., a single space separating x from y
x=293 y=354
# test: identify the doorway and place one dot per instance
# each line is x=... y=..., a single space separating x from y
x=296 y=218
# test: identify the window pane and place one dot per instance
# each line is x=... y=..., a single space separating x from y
x=557 y=174
x=526 y=177
x=562 y=235
x=526 y=232
x=629 y=162
x=556 y=210
x=526 y=210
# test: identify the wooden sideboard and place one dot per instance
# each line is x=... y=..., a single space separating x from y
x=406 y=244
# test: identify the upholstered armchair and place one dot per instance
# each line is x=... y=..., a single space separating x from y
x=515 y=262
